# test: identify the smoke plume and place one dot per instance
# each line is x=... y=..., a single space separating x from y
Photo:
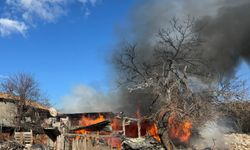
x=212 y=135
x=83 y=98
x=227 y=36
x=226 y=41
x=226 y=32
x=132 y=103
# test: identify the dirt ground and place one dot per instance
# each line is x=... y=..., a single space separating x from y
x=238 y=141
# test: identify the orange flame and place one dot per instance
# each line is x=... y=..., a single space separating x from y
x=86 y=121
x=153 y=131
x=179 y=130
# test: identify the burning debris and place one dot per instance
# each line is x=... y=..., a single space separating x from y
x=89 y=124
x=153 y=131
x=179 y=130
x=112 y=130
x=173 y=54
x=158 y=75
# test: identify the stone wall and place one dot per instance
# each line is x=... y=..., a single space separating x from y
x=8 y=113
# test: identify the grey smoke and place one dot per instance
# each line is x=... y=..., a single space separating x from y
x=83 y=98
x=226 y=33
x=135 y=101
x=212 y=135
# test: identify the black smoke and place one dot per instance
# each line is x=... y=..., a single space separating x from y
x=226 y=37
x=132 y=102
x=225 y=34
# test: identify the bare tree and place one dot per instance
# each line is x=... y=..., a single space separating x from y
x=176 y=56
x=233 y=100
x=24 y=87
x=176 y=61
x=232 y=89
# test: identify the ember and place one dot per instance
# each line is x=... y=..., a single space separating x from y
x=179 y=131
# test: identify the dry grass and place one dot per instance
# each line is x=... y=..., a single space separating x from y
x=239 y=111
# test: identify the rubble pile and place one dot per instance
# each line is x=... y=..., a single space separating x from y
x=11 y=145
x=148 y=143
x=237 y=141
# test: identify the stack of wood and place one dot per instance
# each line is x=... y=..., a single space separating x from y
x=24 y=138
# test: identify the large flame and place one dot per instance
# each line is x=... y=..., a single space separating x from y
x=153 y=131
x=86 y=121
x=116 y=124
x=179 y=130
x=151 y=128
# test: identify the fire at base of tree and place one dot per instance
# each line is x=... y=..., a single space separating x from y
x=187 y=90
x=179 y=89
x=176 y=125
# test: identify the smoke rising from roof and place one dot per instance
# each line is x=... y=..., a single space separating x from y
x=83 y=98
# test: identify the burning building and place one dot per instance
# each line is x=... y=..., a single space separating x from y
x=48 y=128
x=96 y=130
x=106 y=130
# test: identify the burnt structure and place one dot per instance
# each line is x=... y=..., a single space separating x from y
x=45 y=127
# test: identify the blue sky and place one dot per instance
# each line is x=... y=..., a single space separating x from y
x=71 y=49
x=64 y=43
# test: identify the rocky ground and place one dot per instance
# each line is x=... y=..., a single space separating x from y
x=238 y=141
x=233 y=141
